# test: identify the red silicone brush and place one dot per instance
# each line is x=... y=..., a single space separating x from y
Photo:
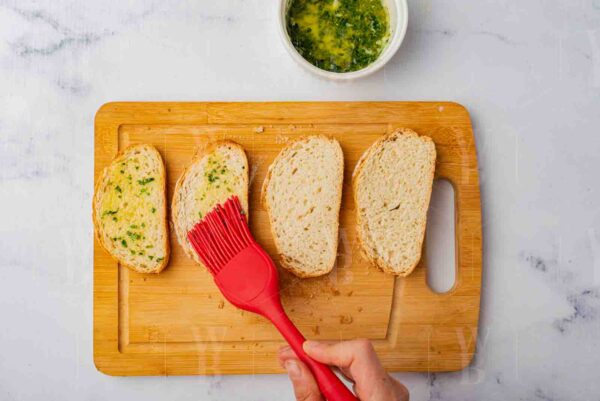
x=247 y=277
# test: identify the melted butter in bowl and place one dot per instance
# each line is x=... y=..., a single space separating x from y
x=342 y=39
x=338 y=35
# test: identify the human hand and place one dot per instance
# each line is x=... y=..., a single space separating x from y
x=357 y=361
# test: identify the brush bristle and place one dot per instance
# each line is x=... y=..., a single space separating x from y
x=221 y=235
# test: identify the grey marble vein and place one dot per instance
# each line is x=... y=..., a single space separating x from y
x=586 y=308
x=24 y=49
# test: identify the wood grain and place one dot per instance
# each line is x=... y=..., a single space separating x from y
x=177 y=323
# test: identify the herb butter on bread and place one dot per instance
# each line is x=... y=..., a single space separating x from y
x=392 y=185
x=217 y=172
x=129 y=209
x=302 y=194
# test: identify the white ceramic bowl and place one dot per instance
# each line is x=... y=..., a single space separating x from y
x=398 y=23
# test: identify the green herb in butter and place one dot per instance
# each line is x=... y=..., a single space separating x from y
x=338 y=35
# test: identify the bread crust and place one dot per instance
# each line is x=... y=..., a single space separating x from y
x=289 y=263
x=96 y=202
x=201 y=152
x=365 y=251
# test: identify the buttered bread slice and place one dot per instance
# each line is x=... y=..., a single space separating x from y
x=302 y=194
x=392 y=186
x=218 y=171
x=129 y=209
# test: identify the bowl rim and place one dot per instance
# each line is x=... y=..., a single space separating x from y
x=389 y=51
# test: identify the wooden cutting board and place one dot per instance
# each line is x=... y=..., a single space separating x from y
x=177 y=323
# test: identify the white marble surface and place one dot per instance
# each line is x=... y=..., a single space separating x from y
x=528 y=71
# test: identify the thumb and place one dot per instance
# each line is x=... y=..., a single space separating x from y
x=358 y=359
x=305 y=385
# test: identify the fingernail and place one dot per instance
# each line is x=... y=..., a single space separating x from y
x=284 y=348
x=309 y=344
x=292 y=368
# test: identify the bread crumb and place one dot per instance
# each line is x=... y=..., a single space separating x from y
x=346 y=319
x=259 y=129
x=281 y=139
x=221 y=304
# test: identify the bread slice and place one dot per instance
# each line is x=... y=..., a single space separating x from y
x=302 y=194
x=218 y=171
x=129 y=209
x=392 y=186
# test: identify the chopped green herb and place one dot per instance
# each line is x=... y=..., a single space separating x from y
x=143 y=225
x=118 y=189
x=150 y=257
x=159 y=259
x=133 y=236
x=109 y=212
x=145 y=181
x=149 y=246
x=153 y=210
x=212 y=177
x=200 y=214
x=115 y=218
x=133 y=226
x=124 y=243
x=338 y=35
x=122 y=171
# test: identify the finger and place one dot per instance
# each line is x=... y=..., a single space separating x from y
x=344 y=372
x=359 y=360
x=286 y=353
x=347 y=355
x=401 y=391
x=305 y=385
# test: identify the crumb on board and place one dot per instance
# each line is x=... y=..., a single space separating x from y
x=346 y=319
x=260 y=129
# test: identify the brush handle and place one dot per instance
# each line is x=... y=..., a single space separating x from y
x=330 y=385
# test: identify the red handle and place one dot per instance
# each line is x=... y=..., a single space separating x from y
x=331 y=386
